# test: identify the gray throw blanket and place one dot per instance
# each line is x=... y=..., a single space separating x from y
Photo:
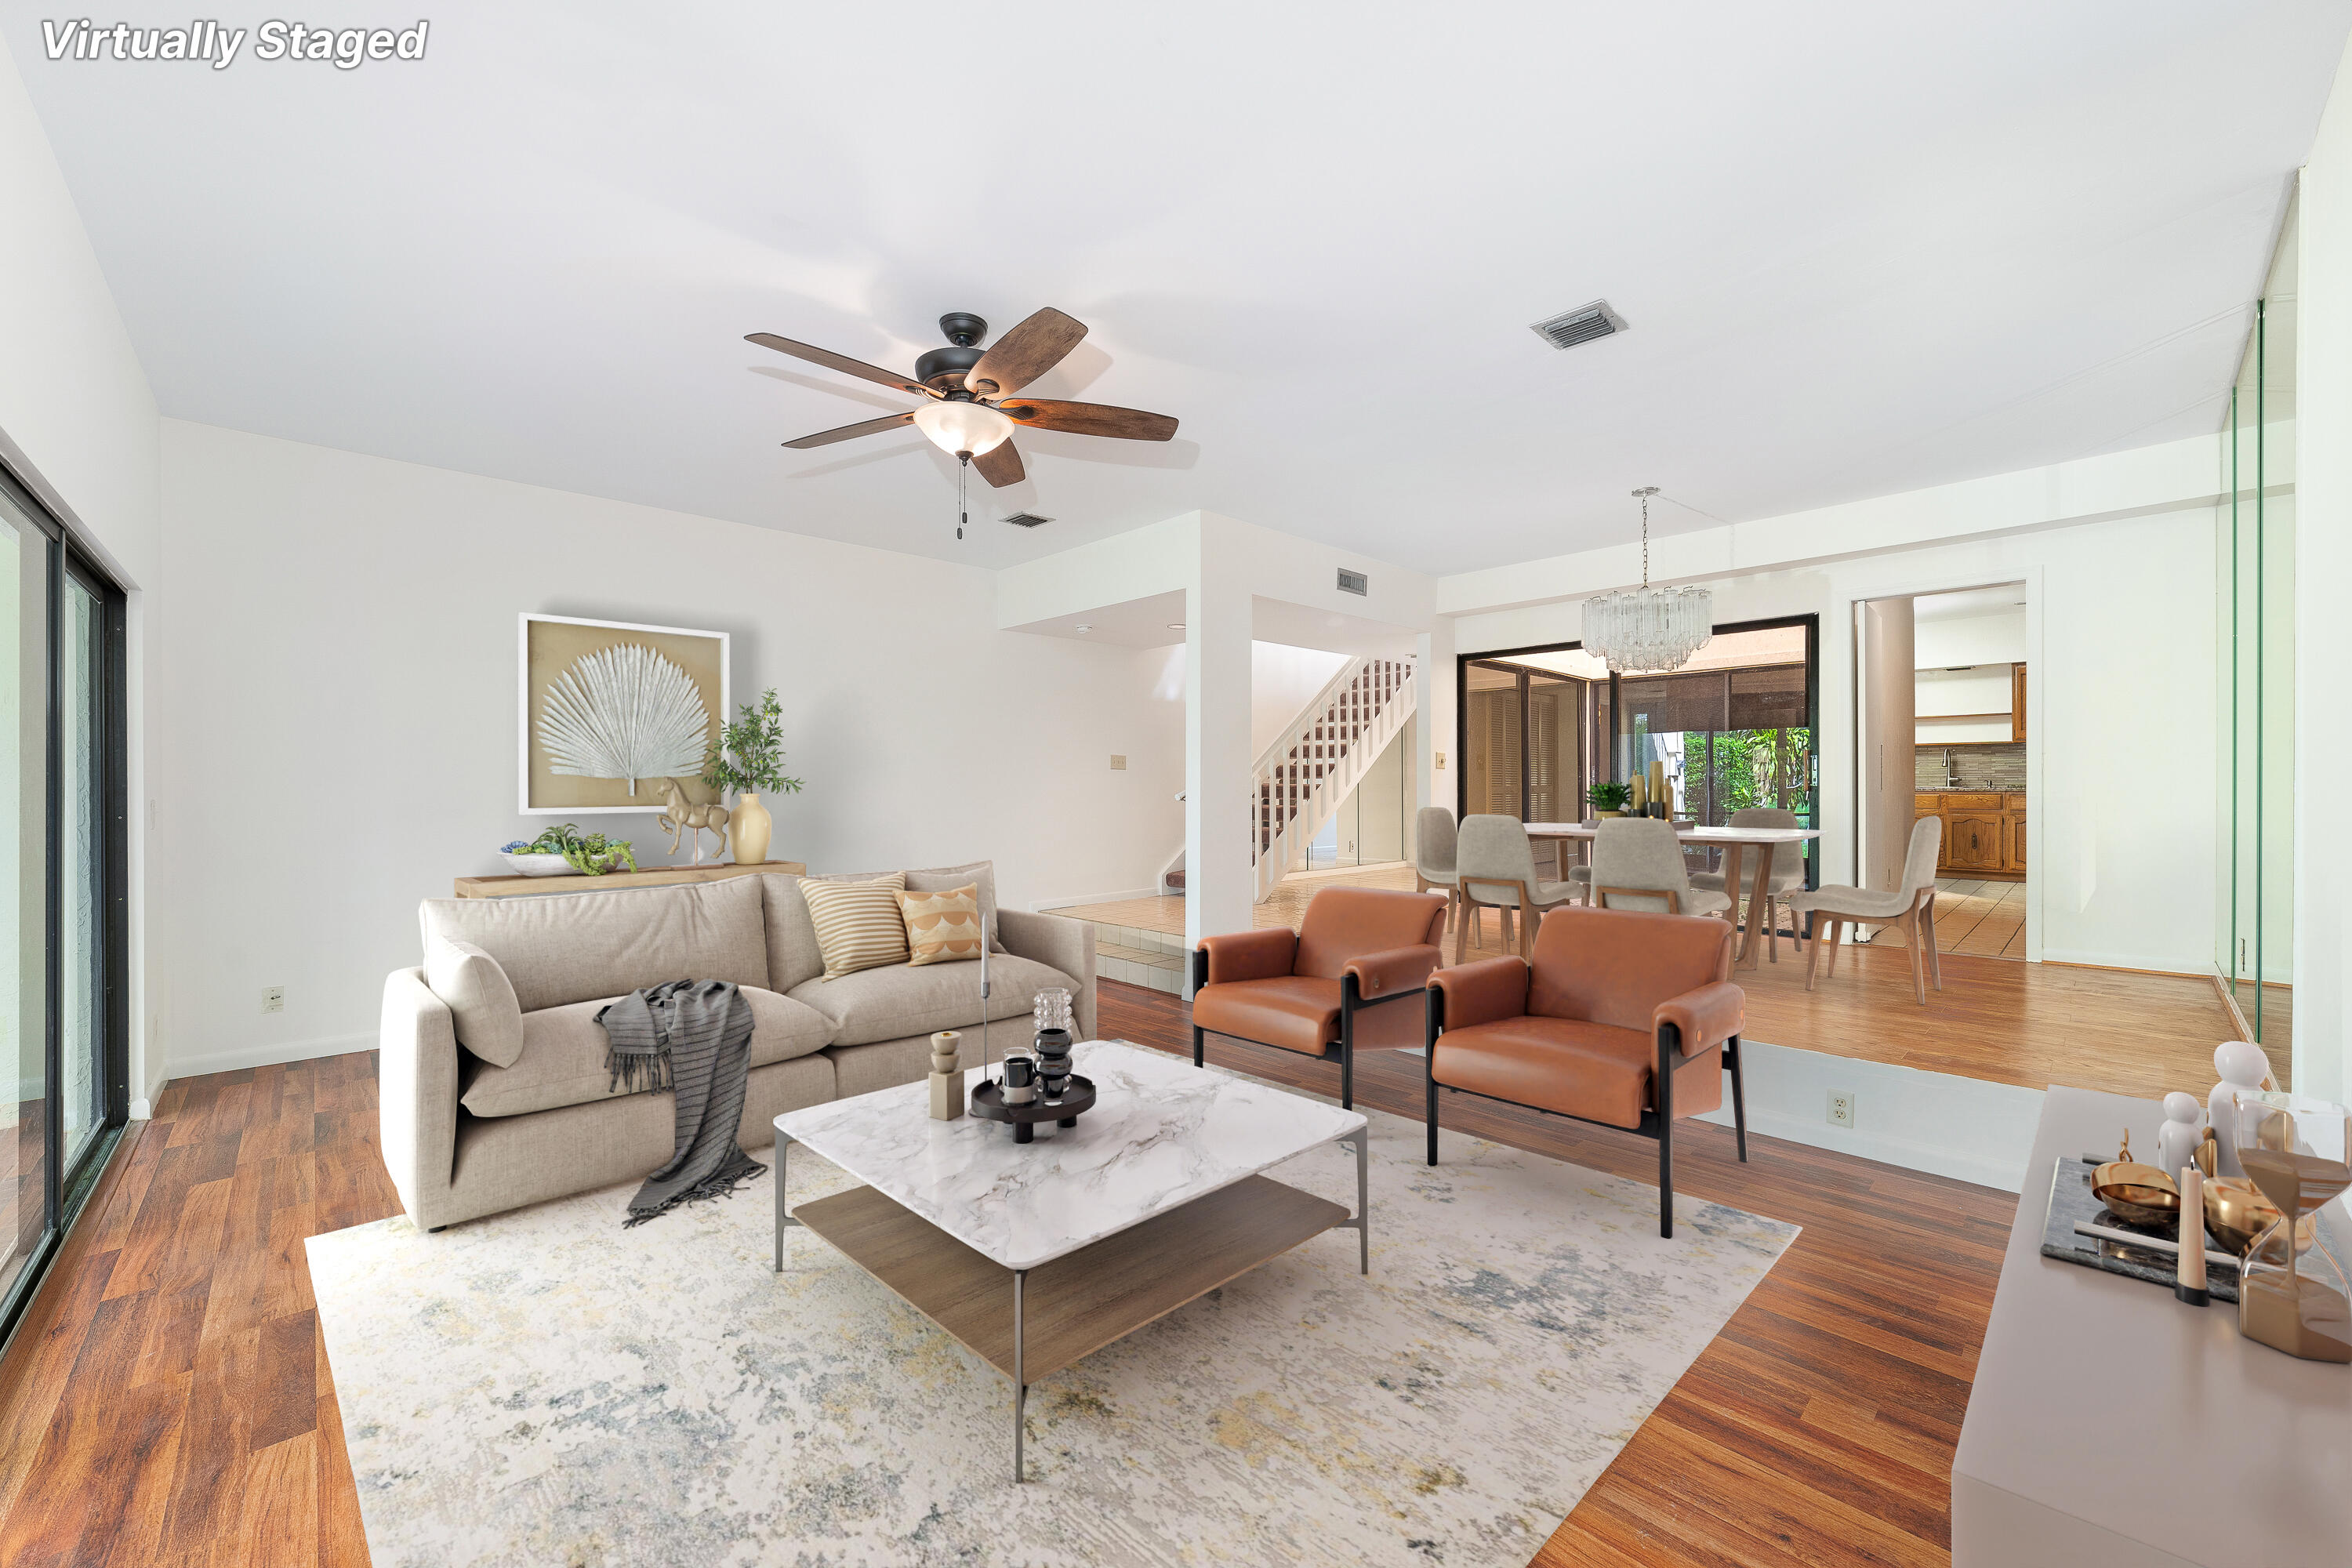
x=693 y=1037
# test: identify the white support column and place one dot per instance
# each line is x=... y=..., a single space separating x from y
x=1435 y=784
x=1219 y=815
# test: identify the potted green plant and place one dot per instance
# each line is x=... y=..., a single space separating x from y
x=1608 y=798
x=566 y=847
x=749 y=758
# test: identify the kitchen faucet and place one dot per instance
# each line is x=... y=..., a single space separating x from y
x=1951 y=770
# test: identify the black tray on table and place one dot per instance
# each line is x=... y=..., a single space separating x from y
x=1078 y=1095
x=2071 y=1199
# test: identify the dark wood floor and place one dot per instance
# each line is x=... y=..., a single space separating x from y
x=171 y=1403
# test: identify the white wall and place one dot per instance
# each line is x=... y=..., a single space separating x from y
x=2322 y=923
x=2122 y=872
x=78 y=424
x=1282 y=681
x=340 y=711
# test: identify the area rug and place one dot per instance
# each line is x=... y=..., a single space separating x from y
x=545 y=1387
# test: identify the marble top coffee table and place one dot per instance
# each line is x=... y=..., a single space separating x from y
x=1154 y=1198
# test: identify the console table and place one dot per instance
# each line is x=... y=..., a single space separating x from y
x=510 y=887
x=2110 y=1425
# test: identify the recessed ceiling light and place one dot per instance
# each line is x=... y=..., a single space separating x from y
x=1082 y=628
x=1175 y=625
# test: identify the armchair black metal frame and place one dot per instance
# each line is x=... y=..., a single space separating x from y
x=1656 y=1124
x=1351 y=1002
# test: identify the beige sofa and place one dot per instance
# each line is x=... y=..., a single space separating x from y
x=465 y=1136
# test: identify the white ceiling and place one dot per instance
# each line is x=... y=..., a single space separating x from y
x=1862 y=248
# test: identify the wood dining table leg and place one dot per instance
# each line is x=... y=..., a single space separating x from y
x=1749 y=957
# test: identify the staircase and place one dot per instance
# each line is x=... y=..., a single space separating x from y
x=1300 y=780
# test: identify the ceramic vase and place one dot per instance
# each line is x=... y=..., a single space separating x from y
x=751 y=826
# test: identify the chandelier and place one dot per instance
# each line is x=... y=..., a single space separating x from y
x=1652 y=630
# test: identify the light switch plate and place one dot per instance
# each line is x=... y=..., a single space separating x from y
x=273 y=999
x=1118 y=763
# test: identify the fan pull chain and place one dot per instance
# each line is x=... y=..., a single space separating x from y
x=963 y=510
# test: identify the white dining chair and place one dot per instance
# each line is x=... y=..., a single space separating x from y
x=1637 y=864
x=1912 y=906
x=1434 y=845
x=1495 y=864
x=1788 y=873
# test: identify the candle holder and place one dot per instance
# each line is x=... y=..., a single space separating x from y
x=1051 y=1011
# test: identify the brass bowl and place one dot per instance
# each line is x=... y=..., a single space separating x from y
x=2236 y=1213
x=2138 y=1192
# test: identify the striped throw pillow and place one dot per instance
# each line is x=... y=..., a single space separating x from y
x=943 y=927
x=857 y=923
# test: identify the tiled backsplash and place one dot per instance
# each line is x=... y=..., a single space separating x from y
x=2001 y=766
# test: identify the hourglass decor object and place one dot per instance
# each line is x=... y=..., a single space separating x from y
x=2297 y=1304
x=1051 y=1014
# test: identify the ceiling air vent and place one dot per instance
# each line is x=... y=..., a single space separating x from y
x=1354 y=582
x=1581 y=325
x=1026 y=519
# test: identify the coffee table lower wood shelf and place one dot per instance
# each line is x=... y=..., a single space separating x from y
x=1036 y=1256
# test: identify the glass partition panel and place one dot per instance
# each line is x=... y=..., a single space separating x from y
x=1555 y=734
x=2258 y=671
x=81 y=926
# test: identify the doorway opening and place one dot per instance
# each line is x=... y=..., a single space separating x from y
x=1943 y=684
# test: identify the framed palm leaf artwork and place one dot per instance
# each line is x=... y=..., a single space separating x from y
x=609 y=710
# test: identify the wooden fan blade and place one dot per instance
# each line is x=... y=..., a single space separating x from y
x=851 y=432
x=841 y=362
x=1001 y=465
x=1089 y=418
x=1024 y=353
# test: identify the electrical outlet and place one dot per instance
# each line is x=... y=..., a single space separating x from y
x=1118 y=763
x=273 y=999
x=1841 y=1108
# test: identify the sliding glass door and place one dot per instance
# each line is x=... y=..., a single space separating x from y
x=23 y=1116
x=62 y=796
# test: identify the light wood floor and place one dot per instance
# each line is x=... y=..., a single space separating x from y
x=1983 y=920
x=1996 y=1019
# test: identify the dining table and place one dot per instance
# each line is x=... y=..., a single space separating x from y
x=1735 y=843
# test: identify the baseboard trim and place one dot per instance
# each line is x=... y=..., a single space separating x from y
x=1047 y=905
x=238 y=1058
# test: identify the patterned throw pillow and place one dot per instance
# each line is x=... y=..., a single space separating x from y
x=944 y=927
x=857 y=923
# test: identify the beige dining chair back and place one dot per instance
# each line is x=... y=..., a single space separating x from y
x=1434 y=842
x=1637 y=864
x=1788 y=871
x=1911 y=906
x=1494 y=867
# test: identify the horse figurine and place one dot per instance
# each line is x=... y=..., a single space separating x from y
x=689 y=806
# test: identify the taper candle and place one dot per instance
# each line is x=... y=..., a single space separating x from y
x=2189 y=1284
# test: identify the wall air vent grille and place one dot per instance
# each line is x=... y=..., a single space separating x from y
x=1027 y=520
x=1354 y=582
x=1581 y=325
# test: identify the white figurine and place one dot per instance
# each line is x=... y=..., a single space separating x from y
x=2183 y=1129
x=2242 y=1067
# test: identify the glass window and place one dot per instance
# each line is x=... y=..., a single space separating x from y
x=24 y=1109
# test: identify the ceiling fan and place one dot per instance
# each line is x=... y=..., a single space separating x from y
x=972 y=406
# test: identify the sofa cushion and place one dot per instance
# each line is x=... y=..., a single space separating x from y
x=981 y=873
x=942 y=928
x=481 y=999
x=858 y=925
x=571 y=946
x=563 y=1051
x=885 y=1004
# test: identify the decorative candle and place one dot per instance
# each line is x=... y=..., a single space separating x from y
x=2189 y=1283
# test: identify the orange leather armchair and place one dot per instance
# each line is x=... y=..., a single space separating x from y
x=1623 y=1018
x=1343 y=979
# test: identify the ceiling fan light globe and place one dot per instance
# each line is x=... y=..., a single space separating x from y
x=957 y=428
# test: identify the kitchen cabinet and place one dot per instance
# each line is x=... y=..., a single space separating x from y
x=1984 y=832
